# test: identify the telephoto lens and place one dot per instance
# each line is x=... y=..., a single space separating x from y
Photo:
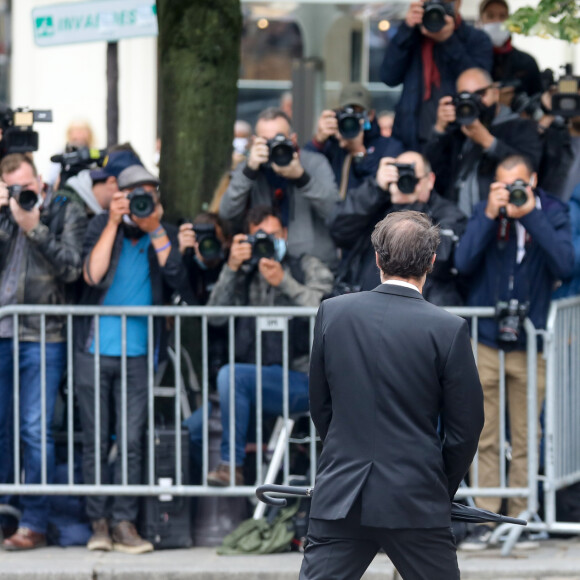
x=407 y=180
x=281 y=150
x=262 y=246
x=209 y=246
x=26 y=198
x=518 y=192
x=141 y=202
x=349 y=122
x=434 y=14
x=467 y=107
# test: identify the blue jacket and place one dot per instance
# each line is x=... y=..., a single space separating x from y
x=377 y=147
x=571 y=286
x=549 y=257
x=466 y=48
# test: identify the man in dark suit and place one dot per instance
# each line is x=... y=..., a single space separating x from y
x=385 y=366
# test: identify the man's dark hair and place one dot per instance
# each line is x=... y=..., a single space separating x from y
x=272 y=113
x=259 y=213
x=405 y=242
x=12 y=162
x=515 y=160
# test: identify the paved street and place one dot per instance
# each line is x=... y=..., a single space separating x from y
x=554 y=560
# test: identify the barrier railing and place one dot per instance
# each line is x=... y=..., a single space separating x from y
x=562 y=404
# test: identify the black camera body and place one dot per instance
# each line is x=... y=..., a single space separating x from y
x=281 y=150
x=263 y=246
x=26 y=198
x=349 y=121
x=18 y=135
x=510 y=318
x=468 y=107
x=434 y=14
x=76 y=159
x=209 y=246
x=141 y=202
x=518 y=192
x=407 y=179
x=566 y=102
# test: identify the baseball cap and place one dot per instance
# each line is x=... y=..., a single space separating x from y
x=355 y=94
x=114 y=164
x=134 y=176
x=485 y=3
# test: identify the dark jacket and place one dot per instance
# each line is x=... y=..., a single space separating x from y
x=376 y=145
x=519 y=69
x=466 y=48
x=164 y=281
x=450 y=164
x=306 y=280
x=549 y=257
x=571 y=286
x=385 y=366
x=52 y=261
x=354 y=220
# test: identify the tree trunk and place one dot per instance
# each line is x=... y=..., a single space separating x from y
x=199 y=55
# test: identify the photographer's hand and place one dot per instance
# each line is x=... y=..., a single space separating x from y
x=516 y=212
x=27 y=220
x=445 y=114
x=498 y=197
x=259 y=153
x=240 y=252
x=327 y=126
x=293 y=170
x=186 y=237
x=152 y=222
x=478 y=134
x=118 y=208
x=4 y=195
x=271 y=271
x=444 y=34
x=387 y=173
x=414 y=16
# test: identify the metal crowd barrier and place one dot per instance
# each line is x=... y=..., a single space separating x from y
x=562 y=339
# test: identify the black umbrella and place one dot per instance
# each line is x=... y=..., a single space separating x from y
x=459 y=511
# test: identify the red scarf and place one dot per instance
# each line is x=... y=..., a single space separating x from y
x=505 y=48
x=431 y=74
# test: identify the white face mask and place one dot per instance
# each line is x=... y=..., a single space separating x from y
x=497 y=33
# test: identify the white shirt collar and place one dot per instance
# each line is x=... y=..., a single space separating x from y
x=404 y=284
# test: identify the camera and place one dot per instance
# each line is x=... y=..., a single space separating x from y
x=467 y=107
x=434 y=14
x=281 y=150
x=510 y=317
x=566 y=102
x=209 y=246
x=26 y=198
x=349 y=125
x=75 y=159
x=531 y=106
x=141 y=202
x=518 y=192
x=17 y=133
x=407 y=180
x=263 y=246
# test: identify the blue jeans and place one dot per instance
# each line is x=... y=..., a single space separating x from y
x=34 y=507
x=245 y=384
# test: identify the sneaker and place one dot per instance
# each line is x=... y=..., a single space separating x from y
x=525 y=542
x=477 y=539
x=220 y=477
x=126 y=539
x=100 y=540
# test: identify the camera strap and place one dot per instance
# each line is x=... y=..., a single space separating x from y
x=345 y=174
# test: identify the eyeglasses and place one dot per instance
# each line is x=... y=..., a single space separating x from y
x=481 y=92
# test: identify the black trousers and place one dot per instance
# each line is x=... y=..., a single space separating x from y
x=343 y=550
x=118 y=508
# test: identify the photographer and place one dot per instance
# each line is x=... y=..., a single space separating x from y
x=40 y=253
x=427 y=64
x=131 y=259
x=471 y=135
x=351 y=139
x=355 y=217
x=277 y=279
x=300 y=185
x=516 y=246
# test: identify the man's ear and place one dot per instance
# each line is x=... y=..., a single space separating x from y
x=433 y=259
x=431 y=177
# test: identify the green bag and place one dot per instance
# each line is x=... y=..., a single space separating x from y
x=263 y=536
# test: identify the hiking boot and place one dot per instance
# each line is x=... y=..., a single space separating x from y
x=24 y=539
x=220 y=477
x=100 y=540
x=126 y=539
x=477 y=539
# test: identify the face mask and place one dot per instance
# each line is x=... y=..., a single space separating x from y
x=280 y=248
x=496 y=32
x=240 y=145
x=487 y=114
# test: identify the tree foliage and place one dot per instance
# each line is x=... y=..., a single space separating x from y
x=550 y=19
x=199 y=55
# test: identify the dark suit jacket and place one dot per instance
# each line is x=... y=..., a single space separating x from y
x=385 y=365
